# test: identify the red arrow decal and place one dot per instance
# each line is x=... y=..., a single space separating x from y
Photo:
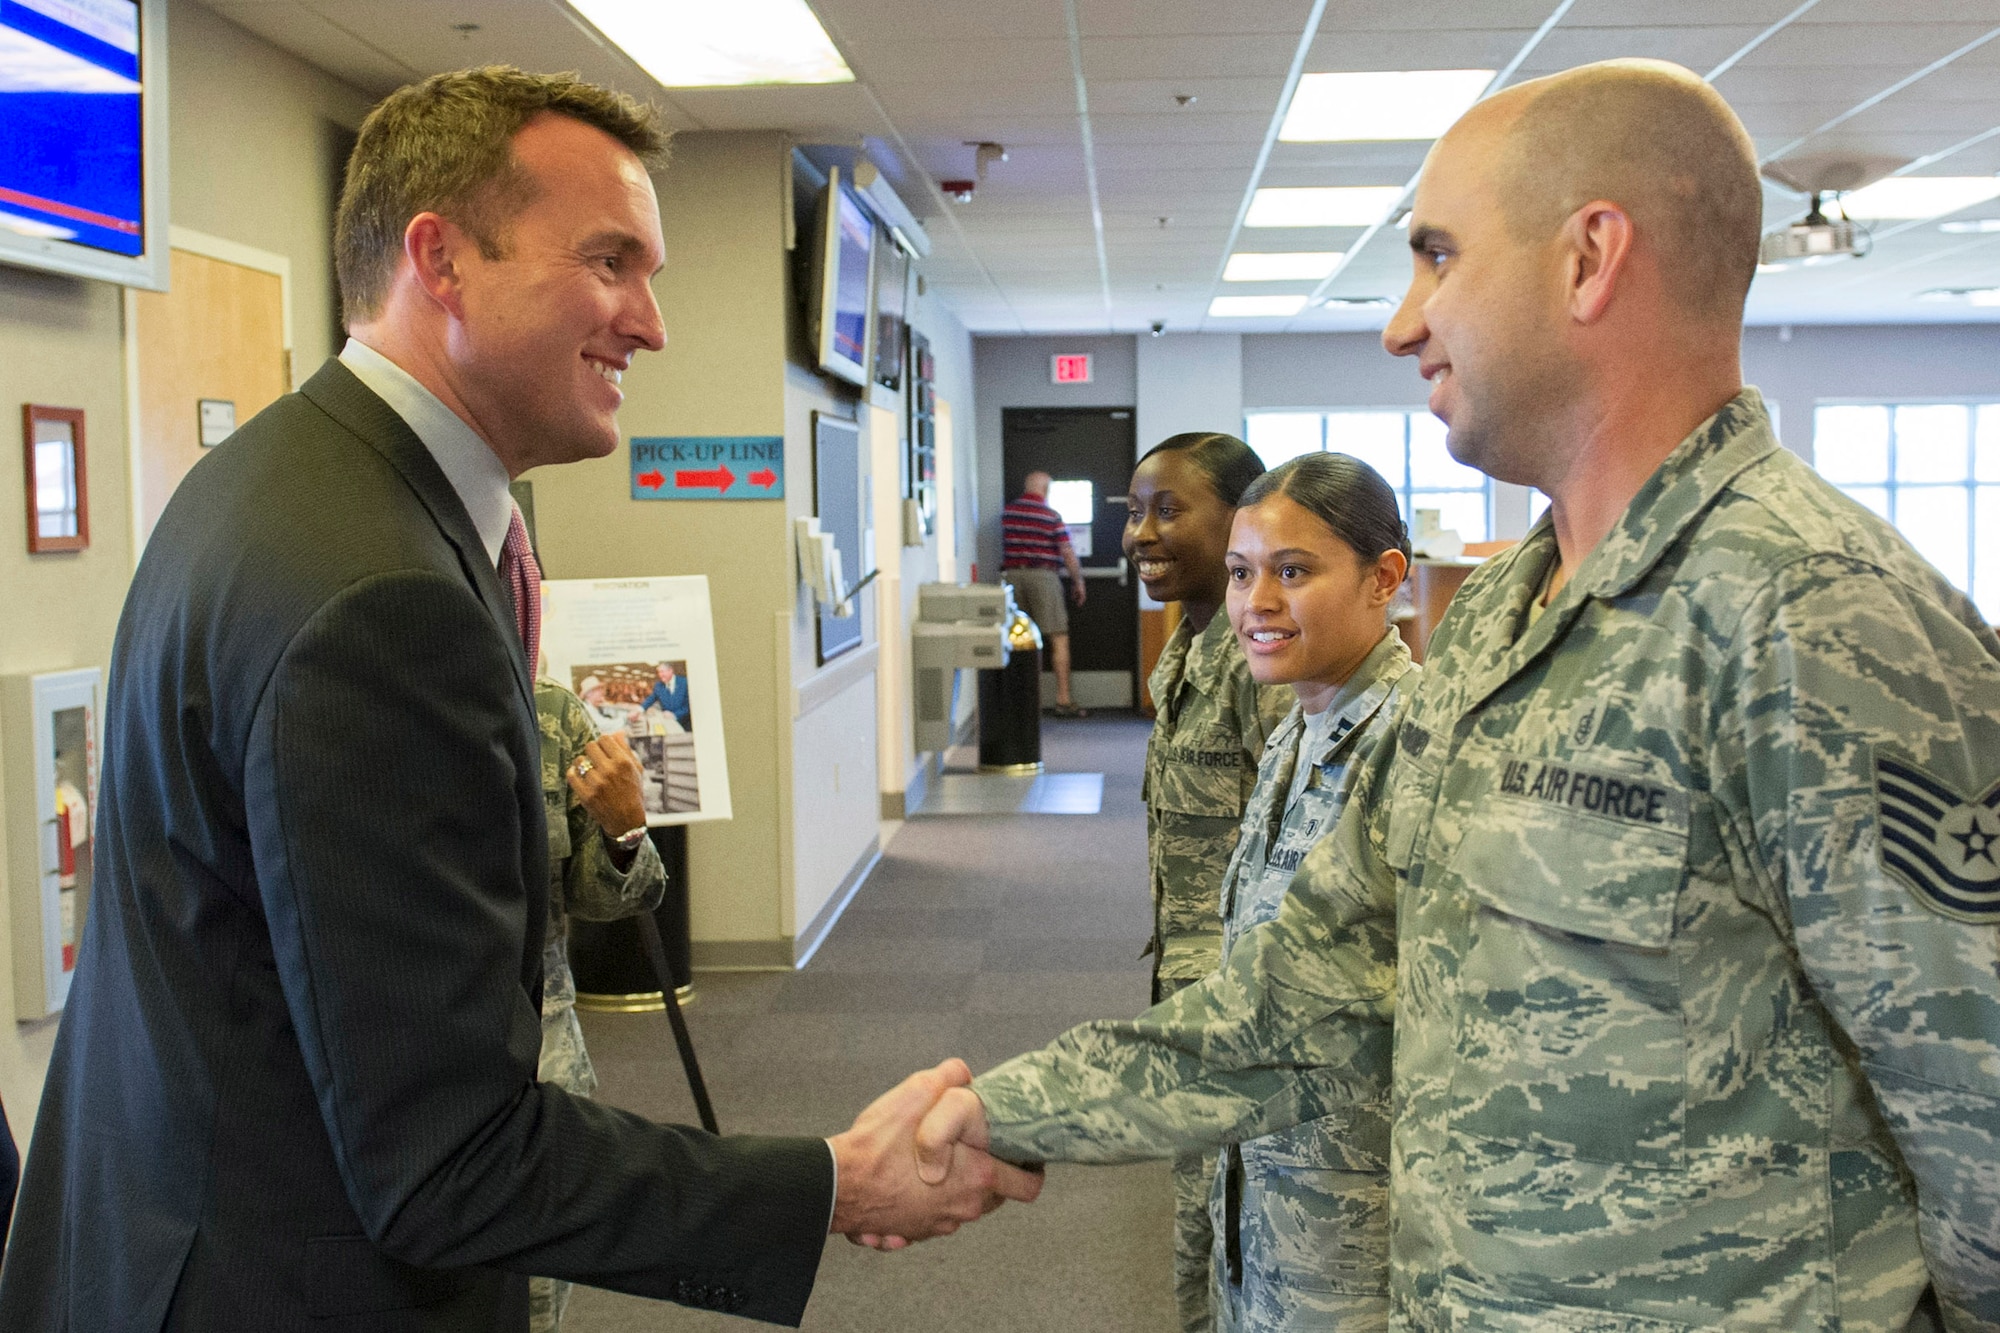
x=764 y=478
x=652 y=481
x=721 y=478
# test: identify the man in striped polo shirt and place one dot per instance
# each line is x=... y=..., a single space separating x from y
x=1034 y=545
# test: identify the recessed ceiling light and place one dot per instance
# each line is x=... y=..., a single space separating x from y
x=1250 y=306
x=1380 y=104
x=1919 y=196
x=1970 y=226
x=1981 y=296
x=1322 y=205
x=1361 y=302
x=1253 y=266
x=683 y=44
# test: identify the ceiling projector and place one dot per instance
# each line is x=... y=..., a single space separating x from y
x=1815 y=237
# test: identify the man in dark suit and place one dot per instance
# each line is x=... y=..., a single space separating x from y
x=295 y=1085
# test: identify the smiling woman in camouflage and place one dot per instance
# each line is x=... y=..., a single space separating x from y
x=1318 y=549
x=1201 y=761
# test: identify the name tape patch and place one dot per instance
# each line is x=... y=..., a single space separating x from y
x=1941 y=845
x=1625 y=797
x=1204 y=758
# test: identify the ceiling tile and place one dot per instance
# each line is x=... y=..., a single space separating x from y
x=1024 y=253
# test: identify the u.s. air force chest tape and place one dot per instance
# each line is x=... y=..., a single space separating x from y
x=1592 y=849
x=1941 y=844
x=1622 y=798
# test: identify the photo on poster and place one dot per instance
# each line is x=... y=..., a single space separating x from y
x=640 y=653
x=647 y=703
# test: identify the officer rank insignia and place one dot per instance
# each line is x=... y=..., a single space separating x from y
x=1944 y=846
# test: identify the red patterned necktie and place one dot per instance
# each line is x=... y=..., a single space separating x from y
x=523 y=579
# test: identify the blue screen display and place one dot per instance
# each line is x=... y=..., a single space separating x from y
x=850 y=293
x=71 y=168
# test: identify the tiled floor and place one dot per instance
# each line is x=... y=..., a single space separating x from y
x=1000 y=794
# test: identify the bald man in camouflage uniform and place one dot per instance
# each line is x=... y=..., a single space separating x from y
x=1687 y=839
x=591 y=880
x=1201 y=766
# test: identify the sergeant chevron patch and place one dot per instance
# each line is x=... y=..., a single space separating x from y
x=1945 y=847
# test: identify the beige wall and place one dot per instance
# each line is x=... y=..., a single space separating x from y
x=808 y=762
x=250 y=162
x=722 y=295
x=254 y=160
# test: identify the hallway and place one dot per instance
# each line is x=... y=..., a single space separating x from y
x=977 y=936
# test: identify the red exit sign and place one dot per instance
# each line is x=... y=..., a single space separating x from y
x=1072 y=369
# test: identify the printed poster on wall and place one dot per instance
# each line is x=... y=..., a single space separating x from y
x=640 y=653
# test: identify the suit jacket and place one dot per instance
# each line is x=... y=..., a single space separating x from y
x=295 y=1084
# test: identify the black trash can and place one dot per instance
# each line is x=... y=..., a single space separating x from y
x=608 y=958
x=1010 y=704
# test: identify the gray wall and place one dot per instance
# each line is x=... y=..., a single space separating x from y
x=1181 y=382
x=1327 y=370
x=1014 y=372
x=1797 y=366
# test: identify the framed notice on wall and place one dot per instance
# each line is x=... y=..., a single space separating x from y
x=640 y=653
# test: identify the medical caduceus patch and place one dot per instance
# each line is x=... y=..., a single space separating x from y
x=1945 y=846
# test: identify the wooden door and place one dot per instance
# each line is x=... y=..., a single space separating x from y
x=218 y=333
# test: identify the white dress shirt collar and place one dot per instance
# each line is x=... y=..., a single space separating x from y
x=472 y=468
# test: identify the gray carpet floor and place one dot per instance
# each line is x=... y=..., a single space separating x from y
x=979 y=936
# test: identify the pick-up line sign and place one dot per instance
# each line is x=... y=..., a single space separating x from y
x=708 y=467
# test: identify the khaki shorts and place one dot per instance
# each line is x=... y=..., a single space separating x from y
x=1039 y=592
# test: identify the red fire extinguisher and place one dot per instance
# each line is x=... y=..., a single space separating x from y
x=66 y=880
x=65 y=848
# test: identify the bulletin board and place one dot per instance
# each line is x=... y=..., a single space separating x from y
x=837 y=491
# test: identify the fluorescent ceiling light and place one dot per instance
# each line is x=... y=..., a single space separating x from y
x=1225 y=307
x=1919 y=196
x=1970 y=226
x=683 y=44
x=1253 y=266
x=1322 y=206
x=1381 y=104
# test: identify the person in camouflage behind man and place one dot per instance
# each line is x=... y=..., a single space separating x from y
x=1697 y=1010
x=1209 y=727
x=601 y=867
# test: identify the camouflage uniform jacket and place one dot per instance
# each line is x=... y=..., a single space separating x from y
x=1301 y=1217
x=583 y=882
x=1201 y=766
x=1699 y=1007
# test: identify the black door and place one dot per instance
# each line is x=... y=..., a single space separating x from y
x=1097 y=447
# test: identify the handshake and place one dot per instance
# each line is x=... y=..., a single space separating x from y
x=914 y=1165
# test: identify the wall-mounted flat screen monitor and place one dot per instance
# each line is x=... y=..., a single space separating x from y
x=844 y=263
x=83 y=138
x=892 y=309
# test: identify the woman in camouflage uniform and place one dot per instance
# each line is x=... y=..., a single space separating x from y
x=1301 y=1217
x=1201 y=761
x=601 y=867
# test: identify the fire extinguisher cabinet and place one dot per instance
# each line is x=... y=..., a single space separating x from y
x=51 y=726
